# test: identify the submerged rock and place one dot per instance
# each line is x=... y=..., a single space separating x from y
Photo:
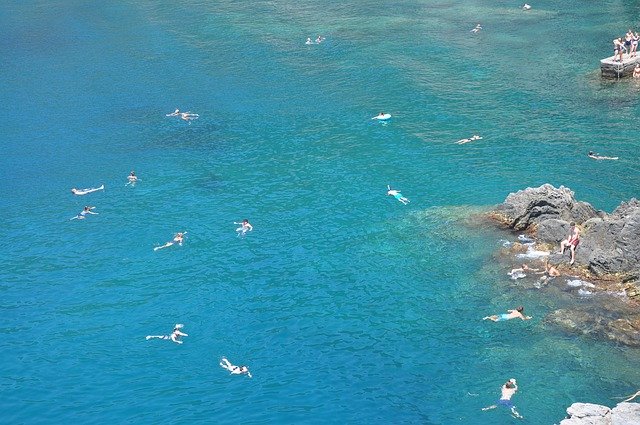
x=595 y=414
x=622 y=330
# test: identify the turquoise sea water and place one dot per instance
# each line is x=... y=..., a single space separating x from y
x=347 y=306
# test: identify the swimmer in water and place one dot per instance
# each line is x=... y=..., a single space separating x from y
x=476 y=29
x=133 y=179
x=83 y=214
x=309 y=41
x=396 y=194
x=526 y=7
x=512 y=314
x=177 y=239
x=320 y=39
x=186 y=116
x=470 y=139
x=234 y=370
x=520 y=272
x=175 y=335
x=245 y=227
x=80 y=192
x=631 y=397
x=507 y=390
x=381 y=116
x=594 y=155
x=549 y=273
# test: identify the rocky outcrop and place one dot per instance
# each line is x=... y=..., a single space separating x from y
x=529 y=207
x=595 y=414
x=609 y=243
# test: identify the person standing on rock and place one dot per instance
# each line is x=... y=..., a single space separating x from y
x=571 y=242
x=508 y=390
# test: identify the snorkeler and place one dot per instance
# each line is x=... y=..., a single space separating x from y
x=245 y=227
x=175 y=335
x=594 y=155
x=86 y=191
x=508 y=390
x=186 y=116
x=476 y=29
x=132 y=179
x=512 y=314
x=178 y=238
x=396 y=194
x=83 y=214
x=234 y=370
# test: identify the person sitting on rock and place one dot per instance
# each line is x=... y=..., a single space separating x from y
x=571 y=242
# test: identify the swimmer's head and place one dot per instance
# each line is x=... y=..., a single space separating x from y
x=178 y=326
x=245 y=221
x=519 y=309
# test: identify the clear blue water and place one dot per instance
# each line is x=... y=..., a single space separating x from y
x=347 y=306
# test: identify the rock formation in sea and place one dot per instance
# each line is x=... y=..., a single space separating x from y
x=607 y=257
x=609 y=243
x=595 y=414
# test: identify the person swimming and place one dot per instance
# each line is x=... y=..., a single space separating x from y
x=594 y=155
x=83 y=214
x=177 y=239
x=396 y=194
x=175 y=335
x=320 y=39
x=132 y=179
x=245 y=227
x=234 y=370
x=512 y=314
x=81 y=192
x=476 y=29
x=470 y=139
x=186 y=116
x=526 y=7
x=508 y=390
x=309 y=41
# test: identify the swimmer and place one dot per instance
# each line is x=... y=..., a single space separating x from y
x=594 y=155
x=549 y=272
x=320 y=39
x=526 y=7
x=133 y=179
x=234 y=370
x=83 y=214
x=512 y=314
x=174 y=113
x=381 y=116
x=188 y=116
x=175 y=335
x=80 y=192
x=245 y=227
x=309 y=41
x=470 y=139
x=508 y=390
x=476 y=29
x=396 y=194
x=178 y=238
x=519 y=273
x=636 y=71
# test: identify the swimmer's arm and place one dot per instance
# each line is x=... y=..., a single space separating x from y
x=526 y=317
x=181 y=333
x=249 y=374
x=173 y=338
x=91 y=212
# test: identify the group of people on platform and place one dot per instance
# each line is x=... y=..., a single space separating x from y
x=625 y=45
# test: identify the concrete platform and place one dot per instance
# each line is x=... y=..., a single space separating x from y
x=611 y=68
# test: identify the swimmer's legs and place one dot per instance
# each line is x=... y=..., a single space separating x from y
x=494 y=317
x=157 y=336
x=515 y=413
x=493 y=406
x=167 y=245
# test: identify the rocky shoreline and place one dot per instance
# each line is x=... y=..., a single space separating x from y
x=595 y=414
x=607 y=259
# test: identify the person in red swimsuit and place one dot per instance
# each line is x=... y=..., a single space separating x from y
x=571 y=242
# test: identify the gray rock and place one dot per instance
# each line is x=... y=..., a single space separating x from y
x=597 y=325
x=553 y=230
x=531 y=206
x=609 y=244
x=595 y=414
x=625 y=414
